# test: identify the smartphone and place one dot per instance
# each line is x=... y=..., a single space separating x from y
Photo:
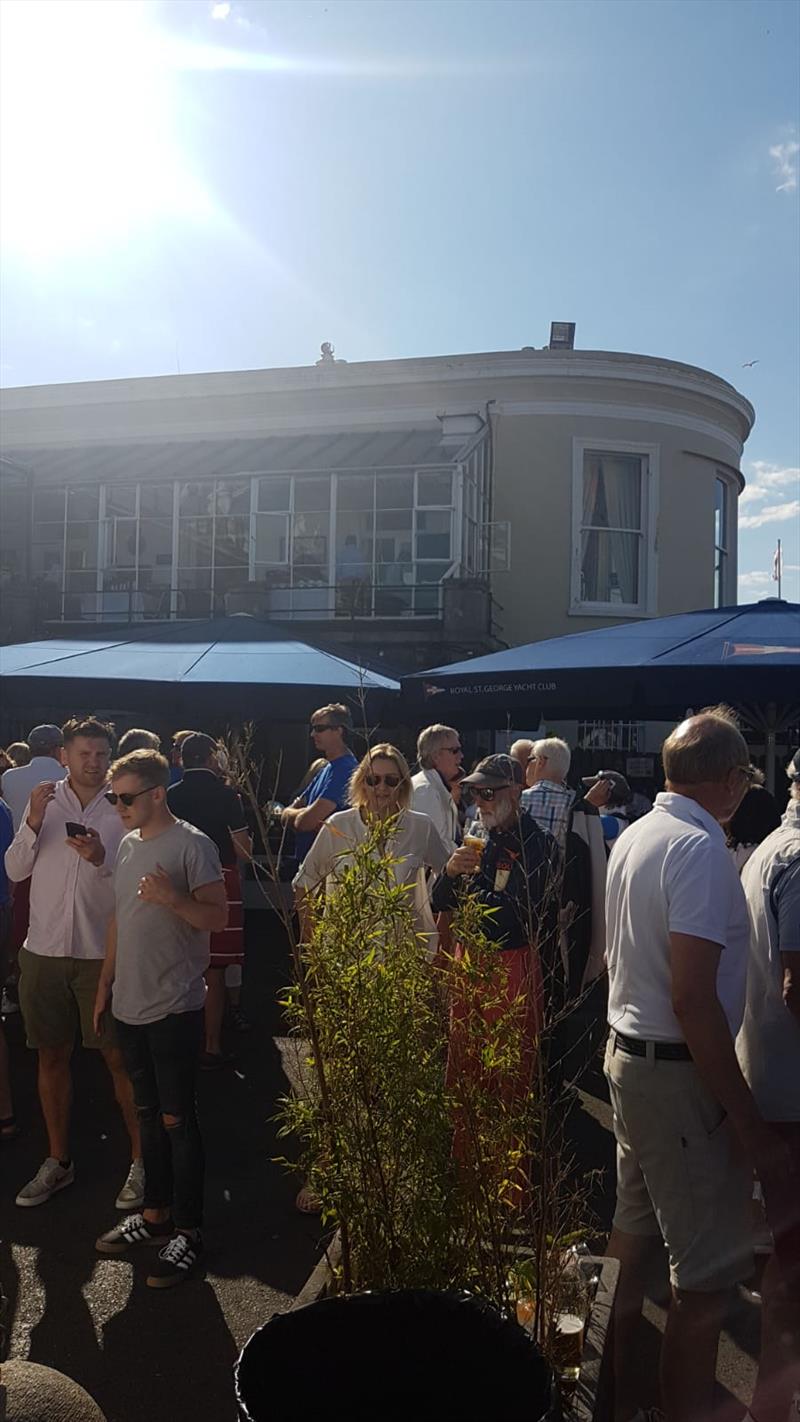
x=73 y=828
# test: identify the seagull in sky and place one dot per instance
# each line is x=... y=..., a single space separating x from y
x=746 y=364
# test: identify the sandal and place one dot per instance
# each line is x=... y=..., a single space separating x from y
x=9 y=1130
x=307 y=1203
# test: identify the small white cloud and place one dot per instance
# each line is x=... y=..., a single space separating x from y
x=221 y=10
x=785 y=155
x=756 y=579
x=772 y=513
x=765 y=479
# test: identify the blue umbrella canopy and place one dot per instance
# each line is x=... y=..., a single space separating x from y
x=237 y=665
x=747 y=654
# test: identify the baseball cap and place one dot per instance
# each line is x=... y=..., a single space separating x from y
x=196 y=749
x=45 y=738
x=619 y=785
x=793 y=768
x=495 y=771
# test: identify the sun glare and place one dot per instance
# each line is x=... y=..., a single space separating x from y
x=88 y=155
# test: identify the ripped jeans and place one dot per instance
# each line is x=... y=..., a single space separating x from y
x=161 y=1061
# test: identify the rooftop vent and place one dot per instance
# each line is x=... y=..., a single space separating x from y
x=562 y=335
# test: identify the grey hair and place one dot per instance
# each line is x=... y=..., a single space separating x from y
x=430 y=741
x=518 y=747
x=557 y=753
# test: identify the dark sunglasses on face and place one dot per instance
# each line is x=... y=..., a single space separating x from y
x=127 y=799
x=390 y=781
x=323 y=726
x=487 y=794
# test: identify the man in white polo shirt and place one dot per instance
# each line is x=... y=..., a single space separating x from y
x=687 y=1128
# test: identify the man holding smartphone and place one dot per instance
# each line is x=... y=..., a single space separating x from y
x=67 y=843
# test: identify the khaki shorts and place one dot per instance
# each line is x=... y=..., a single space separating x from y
x=680 y=1171
x=58 y=994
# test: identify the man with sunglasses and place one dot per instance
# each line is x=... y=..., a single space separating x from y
x=327 y=792
x=440 y=758
x=67 y=842
x=169 y=897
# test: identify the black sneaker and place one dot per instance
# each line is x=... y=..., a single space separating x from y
x=239 y=1022
x=176 y=1261
x=133 y=1231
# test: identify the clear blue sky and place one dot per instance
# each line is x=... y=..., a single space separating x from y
x=225 y=185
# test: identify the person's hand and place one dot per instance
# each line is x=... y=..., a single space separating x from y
x=100 y=1004
x=599 y=795
x=41 y=795
x=158 y=888
x=464 y=861
x=89 y=846
x=287 y=816
x=771 y=1157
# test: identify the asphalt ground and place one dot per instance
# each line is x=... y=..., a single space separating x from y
x=167 y=1356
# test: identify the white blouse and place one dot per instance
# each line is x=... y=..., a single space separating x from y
x=415 y=846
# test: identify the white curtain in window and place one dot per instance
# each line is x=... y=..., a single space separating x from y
x=623 y=488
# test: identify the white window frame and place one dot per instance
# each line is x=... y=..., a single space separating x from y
x=648 y=562
x=729 y=570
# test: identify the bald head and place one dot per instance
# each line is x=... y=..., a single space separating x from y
x=705 y=748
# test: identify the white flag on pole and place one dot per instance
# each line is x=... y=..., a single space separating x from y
x=777 y=564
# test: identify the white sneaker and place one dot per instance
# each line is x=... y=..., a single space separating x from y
x=131 y=1196
x=48 y=1179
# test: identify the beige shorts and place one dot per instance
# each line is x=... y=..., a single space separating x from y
x=680 y=1171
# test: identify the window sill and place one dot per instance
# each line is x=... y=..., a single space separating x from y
x=608 y=609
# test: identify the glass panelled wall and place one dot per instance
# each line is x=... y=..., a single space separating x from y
x=365 y=544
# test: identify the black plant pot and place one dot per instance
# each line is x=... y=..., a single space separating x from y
x=414 y=1355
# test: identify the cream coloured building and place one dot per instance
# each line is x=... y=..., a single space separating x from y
x=419 y=510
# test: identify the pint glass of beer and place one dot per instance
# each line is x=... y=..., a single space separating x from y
x=476 y=838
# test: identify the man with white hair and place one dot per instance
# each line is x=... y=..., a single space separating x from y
x=548 y=798
x=440 y=758
x=768 y=1048
x=521 y=752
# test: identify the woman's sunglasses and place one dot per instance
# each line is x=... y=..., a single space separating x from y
x=390 y=781
x=127 y=799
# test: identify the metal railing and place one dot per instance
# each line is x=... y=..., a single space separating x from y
x=304 y=601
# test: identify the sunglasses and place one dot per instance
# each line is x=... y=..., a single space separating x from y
x=324 y=726
x=127 y=799
x=487 y=794
x=390 y=781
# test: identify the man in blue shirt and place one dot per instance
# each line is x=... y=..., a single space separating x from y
x=327 y=792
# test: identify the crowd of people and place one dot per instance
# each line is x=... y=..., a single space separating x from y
x=678 y=920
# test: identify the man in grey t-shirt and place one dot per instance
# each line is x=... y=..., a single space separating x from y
x=169 y=896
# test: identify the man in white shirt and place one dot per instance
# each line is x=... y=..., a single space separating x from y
x=440 y=758
x=45 y=764
x=45 y=744
x=67 y=843
x=768 y=1048
x=688 y=1130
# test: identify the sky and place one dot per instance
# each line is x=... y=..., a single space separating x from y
x=224 y=184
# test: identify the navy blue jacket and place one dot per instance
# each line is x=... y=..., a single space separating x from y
x=530 y=898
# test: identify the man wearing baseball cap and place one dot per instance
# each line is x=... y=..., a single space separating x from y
x=517 y=876
x=610 y=793
x=768 y=1048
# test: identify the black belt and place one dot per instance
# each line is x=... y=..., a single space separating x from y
x=662 y=1051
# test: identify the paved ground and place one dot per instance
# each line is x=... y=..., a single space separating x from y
x=168 y=1356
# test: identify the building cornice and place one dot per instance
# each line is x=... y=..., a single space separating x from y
x=533 y=365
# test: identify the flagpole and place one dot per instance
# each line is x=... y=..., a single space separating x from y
x=780 y=567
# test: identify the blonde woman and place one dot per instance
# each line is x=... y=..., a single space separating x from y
x=380 y=788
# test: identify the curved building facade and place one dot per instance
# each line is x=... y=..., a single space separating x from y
x=444 y=505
